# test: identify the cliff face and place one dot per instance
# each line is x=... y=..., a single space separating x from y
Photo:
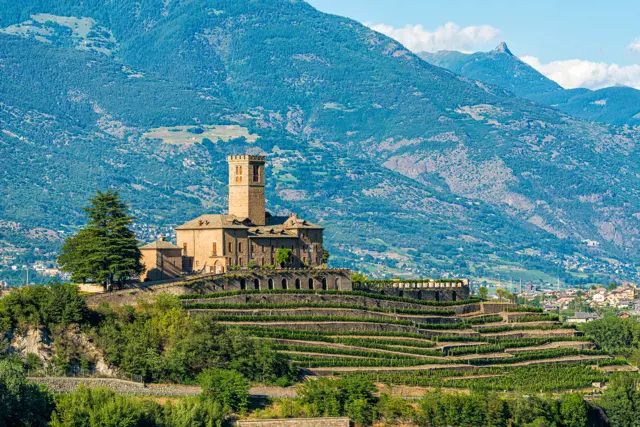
x=68 y=344
x=409 y=166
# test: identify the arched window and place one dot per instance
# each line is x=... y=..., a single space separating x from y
x=437 y=296
x=256 y=283
x=298 y=284
x=243 y=284
x=310 y=283
x=324 y=284
x=270 y=283
x=454 y=296
x=284 y=283
x=337 y=283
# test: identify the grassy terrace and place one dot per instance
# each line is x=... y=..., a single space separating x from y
x=344 y=334
x=534 y=378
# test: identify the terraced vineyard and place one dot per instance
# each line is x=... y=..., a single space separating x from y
x=466 y=344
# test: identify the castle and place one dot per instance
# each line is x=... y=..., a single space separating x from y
x=247 y=236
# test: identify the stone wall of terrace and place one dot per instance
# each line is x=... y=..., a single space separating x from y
x=297 y=422
x=320 y=298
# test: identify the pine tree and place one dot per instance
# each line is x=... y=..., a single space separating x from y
x=106 y=250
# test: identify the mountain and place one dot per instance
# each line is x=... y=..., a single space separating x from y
x=411 y=168
x=498 y=67
x=618 y=105
x=613 y=105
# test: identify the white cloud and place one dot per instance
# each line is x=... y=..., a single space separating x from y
x=447 y=37
x=635 y=46
x=573 y=73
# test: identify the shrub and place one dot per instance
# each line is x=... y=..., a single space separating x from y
x=22 y=403
x=229 y=388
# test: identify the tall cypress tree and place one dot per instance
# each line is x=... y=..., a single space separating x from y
x=106 y=250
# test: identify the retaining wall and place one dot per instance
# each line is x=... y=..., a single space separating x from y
x=297 y=422
x=318 y=279
x=319 y=298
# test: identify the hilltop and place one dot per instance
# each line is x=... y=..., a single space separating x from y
x=411 y=168
x=613 y=105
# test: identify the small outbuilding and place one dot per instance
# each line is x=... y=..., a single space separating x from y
x=165 y=259
x=581 y=317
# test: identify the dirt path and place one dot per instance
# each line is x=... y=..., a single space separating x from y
x=552 y=345
x=532 y=333
x=327 y=371
x=323 y=355
x=69 y=384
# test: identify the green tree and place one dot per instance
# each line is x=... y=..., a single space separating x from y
x=359 y=278
x=58 y=303
x=229 y=388
x=195 y=412
x=325 y=256
x=284 y=257
x=349 y=396
x=574 y=411
x=483 y=292
x=106 y=250
x=22 y=403
x=621 y=401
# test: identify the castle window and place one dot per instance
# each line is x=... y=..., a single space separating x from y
x=230 y=246
x=240 y=247
x=184 y=248
x=238 y=174
x=214 y=249
x=256 y=173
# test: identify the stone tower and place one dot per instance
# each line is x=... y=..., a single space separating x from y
x=246 y=187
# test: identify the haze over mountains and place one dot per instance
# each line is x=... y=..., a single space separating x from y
x=409 y=166
x=619 y=105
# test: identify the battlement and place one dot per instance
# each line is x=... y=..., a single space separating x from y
x=246 y=157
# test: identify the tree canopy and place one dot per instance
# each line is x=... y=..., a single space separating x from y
x=106 y=250
x=22 y=403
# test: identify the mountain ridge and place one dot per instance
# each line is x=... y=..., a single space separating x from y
x=505 y=70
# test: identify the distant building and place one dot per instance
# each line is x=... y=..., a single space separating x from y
x=581 y=317
x=247 y=235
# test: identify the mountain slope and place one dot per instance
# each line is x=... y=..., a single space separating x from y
x=409 y=166
x=614 y=105
x=498 y=67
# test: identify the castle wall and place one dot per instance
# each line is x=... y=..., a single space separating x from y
x=329 y=279
x=427 y=291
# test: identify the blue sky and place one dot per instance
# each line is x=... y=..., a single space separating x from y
x=600 y=34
